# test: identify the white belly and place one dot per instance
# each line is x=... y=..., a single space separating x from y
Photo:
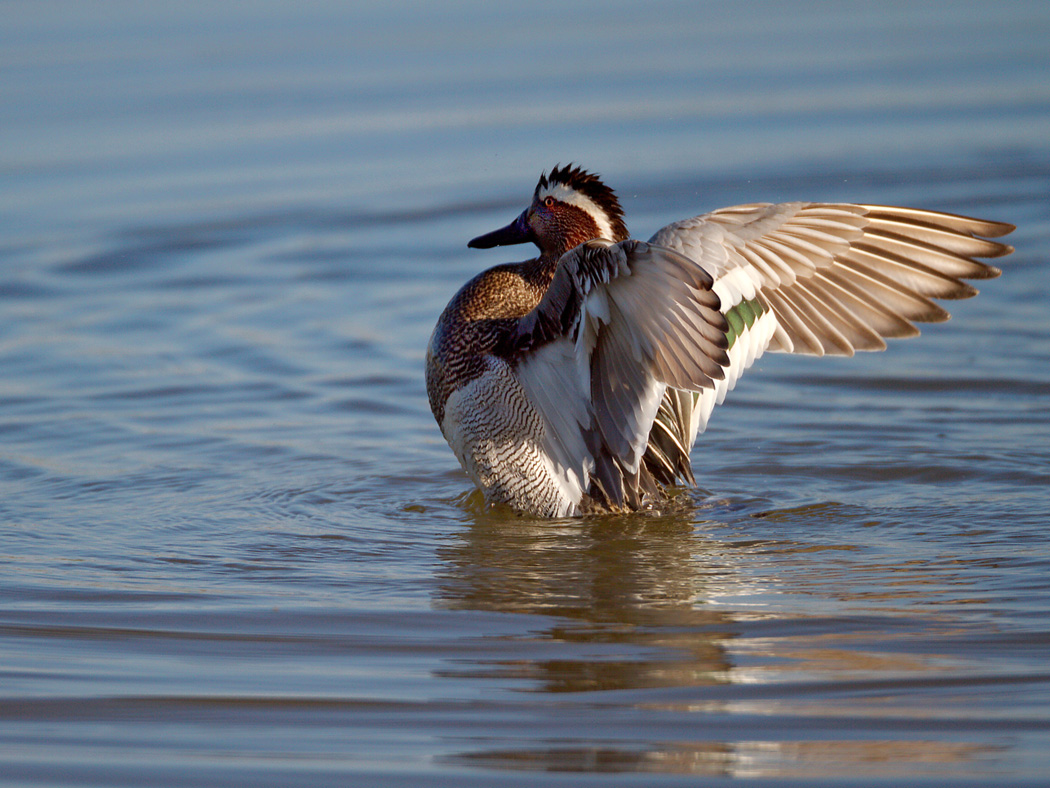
x=499 y=439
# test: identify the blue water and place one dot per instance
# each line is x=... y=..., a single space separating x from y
x=234 y=547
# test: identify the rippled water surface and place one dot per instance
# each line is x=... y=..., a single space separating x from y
x=235 y=549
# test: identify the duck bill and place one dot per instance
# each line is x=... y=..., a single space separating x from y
x=517 y=232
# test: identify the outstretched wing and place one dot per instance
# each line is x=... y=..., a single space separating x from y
x=825 y=278
x=617 y=326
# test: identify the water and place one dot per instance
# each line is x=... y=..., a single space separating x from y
x=235 y=549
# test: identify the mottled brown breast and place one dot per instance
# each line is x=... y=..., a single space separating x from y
x=485 y=310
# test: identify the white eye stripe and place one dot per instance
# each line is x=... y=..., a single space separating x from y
x=562 y=193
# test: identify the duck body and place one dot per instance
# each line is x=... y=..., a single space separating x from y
x=482 y=409
x=576 y=382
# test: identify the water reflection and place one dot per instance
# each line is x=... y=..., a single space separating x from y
x=789 y=760
x=634 y=670
x=626 y=595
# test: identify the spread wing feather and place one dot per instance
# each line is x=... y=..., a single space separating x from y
x=832 y=278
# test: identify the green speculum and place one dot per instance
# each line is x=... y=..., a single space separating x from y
x=741 y=317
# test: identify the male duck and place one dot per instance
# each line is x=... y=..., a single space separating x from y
x=576 y=382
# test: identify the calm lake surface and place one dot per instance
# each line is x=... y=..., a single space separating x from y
x=234 y=547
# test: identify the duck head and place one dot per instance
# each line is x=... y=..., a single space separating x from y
x=569 y=206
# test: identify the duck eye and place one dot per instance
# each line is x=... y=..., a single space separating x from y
x=549 y=202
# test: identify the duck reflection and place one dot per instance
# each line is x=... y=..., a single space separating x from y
x=631 y=670
x=624 y=597
x=619 y=605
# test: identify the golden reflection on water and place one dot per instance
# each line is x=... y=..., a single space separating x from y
x=790 y=760
x=632 y=597
x=634 y=581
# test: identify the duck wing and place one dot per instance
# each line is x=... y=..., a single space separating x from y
x=827 y=278
x=619 y=324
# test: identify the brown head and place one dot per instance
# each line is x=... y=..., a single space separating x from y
x=569 y=206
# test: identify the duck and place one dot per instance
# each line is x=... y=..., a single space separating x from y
x=575 y=383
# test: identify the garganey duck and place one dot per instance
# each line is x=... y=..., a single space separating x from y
x=576 y=382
